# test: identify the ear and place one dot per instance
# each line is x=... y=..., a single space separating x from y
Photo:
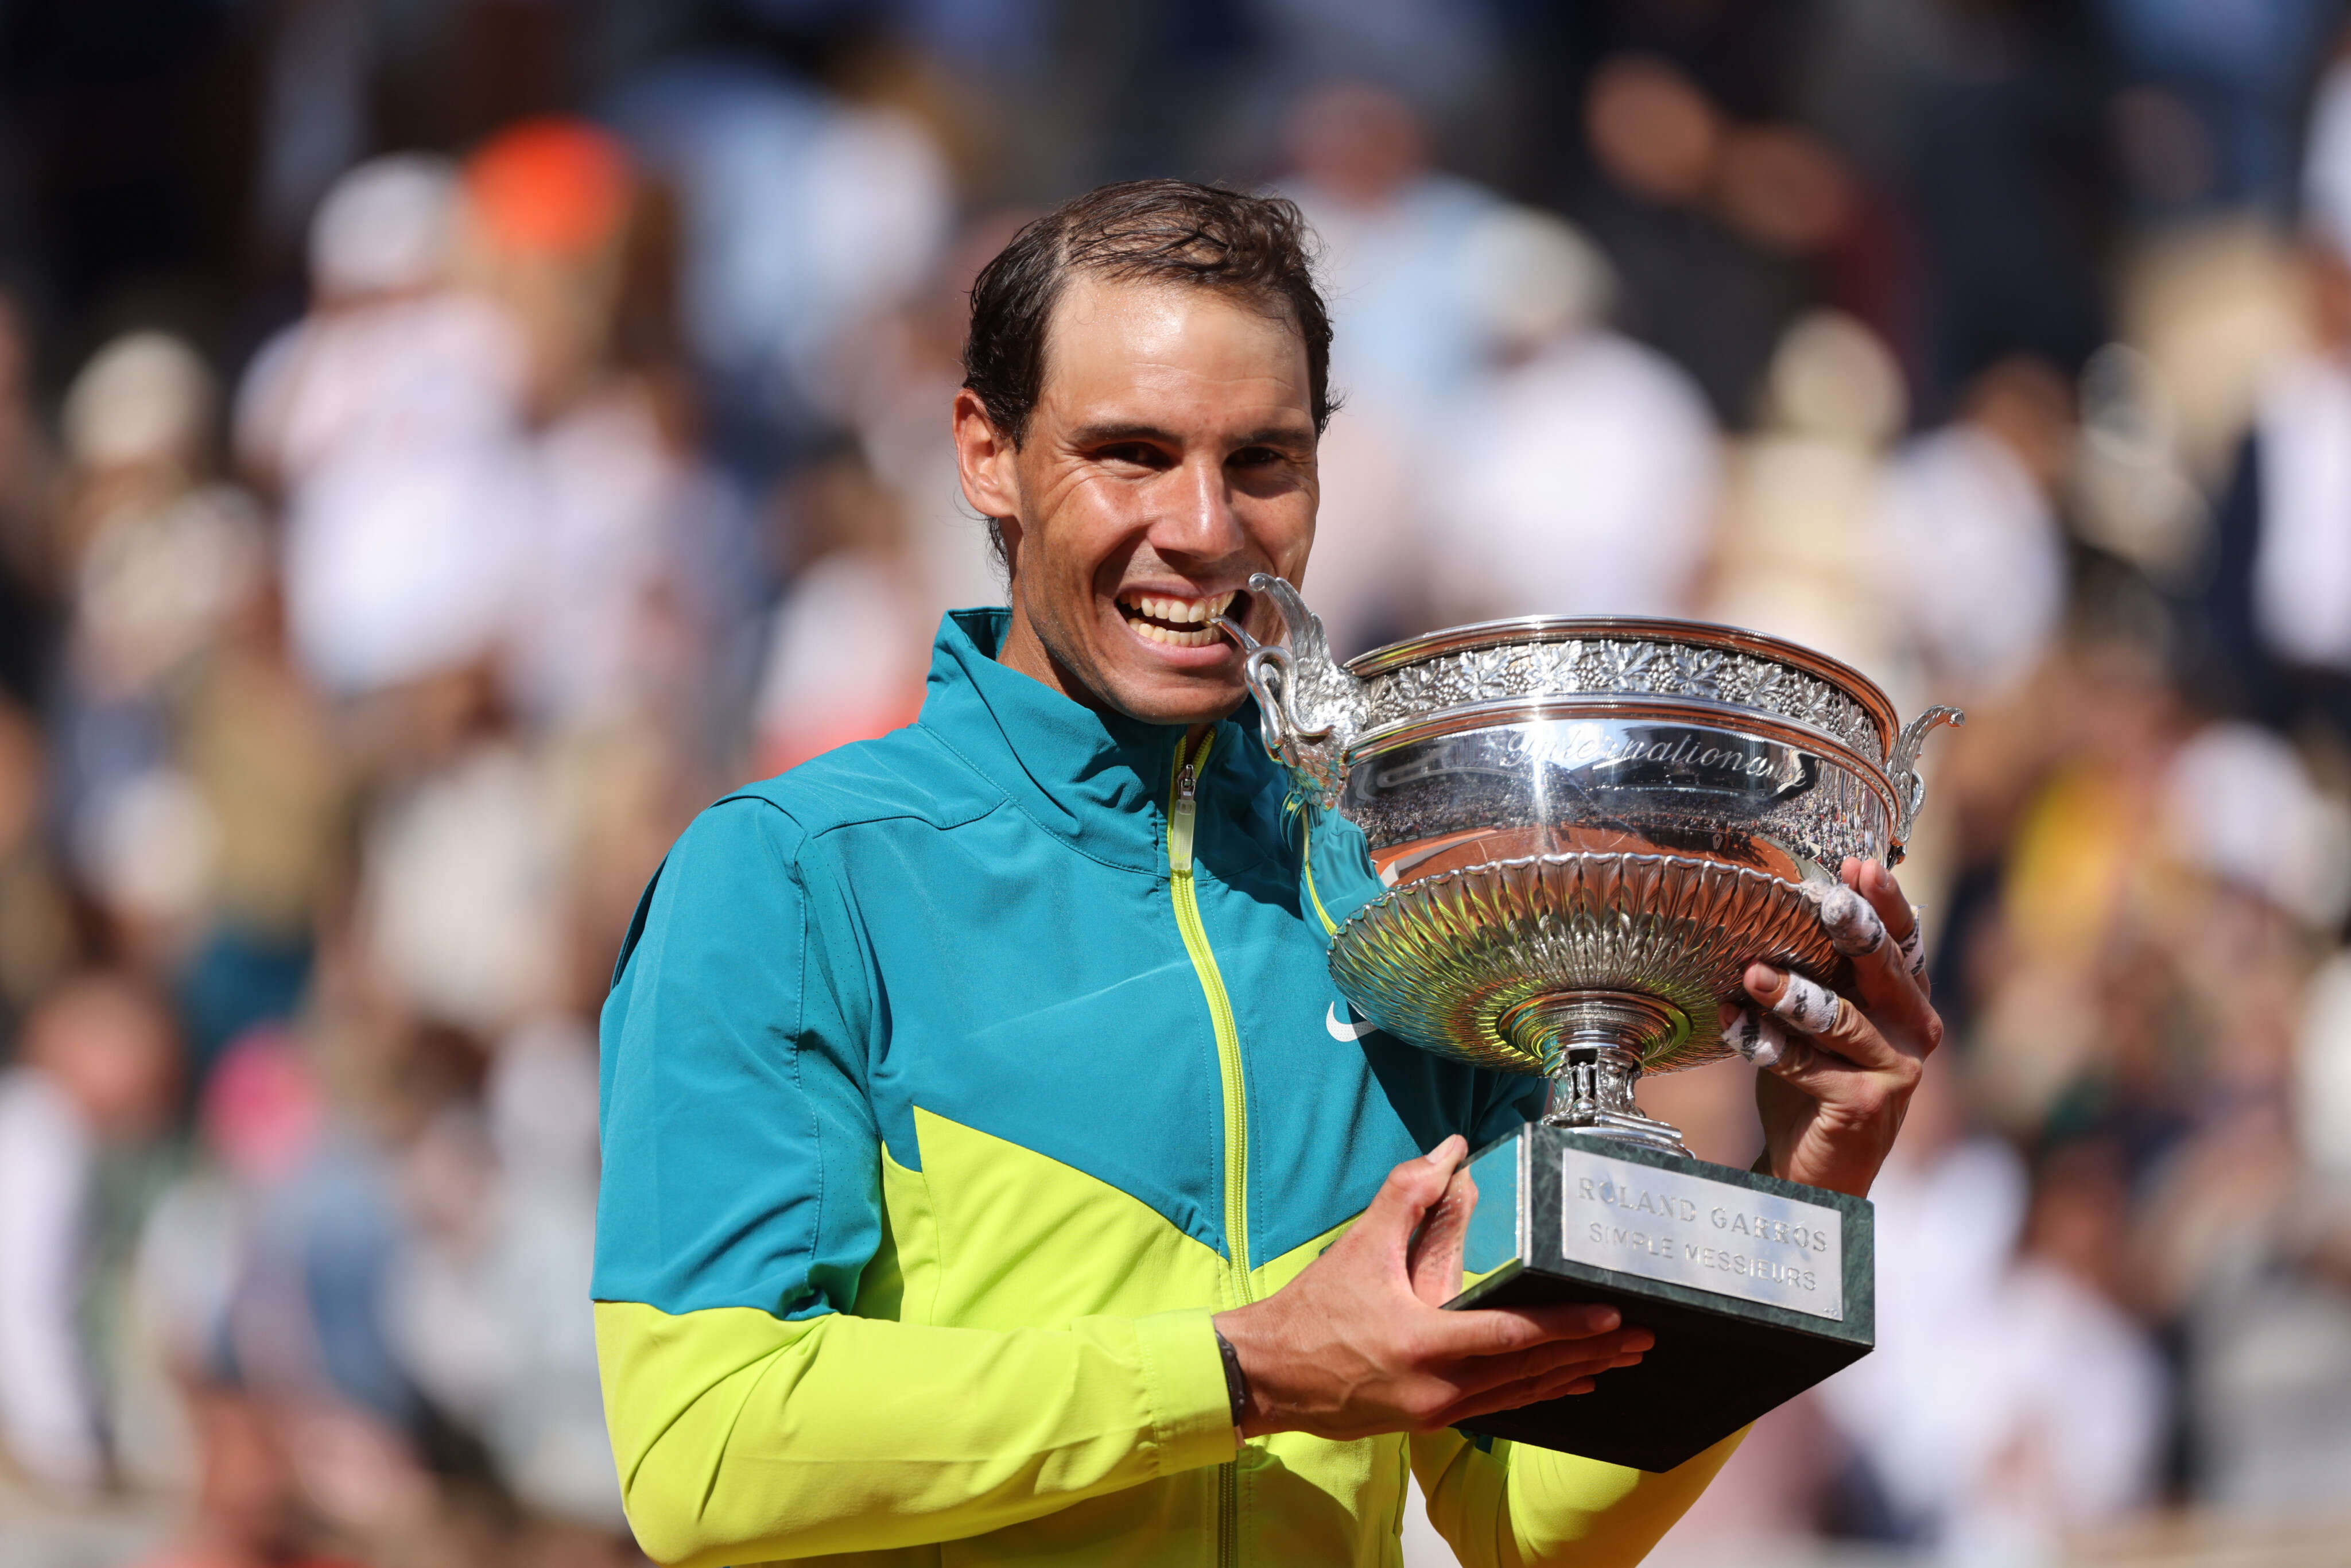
x=984 y=462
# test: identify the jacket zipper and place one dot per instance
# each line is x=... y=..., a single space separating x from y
x=1306 y=858
x=1181 y=812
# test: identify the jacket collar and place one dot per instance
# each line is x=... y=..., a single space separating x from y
x=1098 y=781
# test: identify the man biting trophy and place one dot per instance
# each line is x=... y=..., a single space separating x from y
x=996 y=1168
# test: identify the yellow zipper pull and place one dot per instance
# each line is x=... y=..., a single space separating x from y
x=1179 y=820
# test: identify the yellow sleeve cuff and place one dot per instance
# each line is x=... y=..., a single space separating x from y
x=1184 y=1377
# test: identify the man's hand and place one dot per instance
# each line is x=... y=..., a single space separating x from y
x=1356 y=1345
x=1836 y=1096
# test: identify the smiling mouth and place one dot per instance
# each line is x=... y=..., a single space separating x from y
x=1179 y=623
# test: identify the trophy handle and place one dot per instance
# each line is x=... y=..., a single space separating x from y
x=1307 y=706
x=1902 y=769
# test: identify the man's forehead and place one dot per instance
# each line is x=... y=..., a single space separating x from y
x=1111 y=338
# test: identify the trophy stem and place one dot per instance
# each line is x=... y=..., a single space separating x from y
x=1591 y=1041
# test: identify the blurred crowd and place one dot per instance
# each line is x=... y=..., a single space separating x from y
x=442 y=445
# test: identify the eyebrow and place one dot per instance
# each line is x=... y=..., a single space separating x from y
x=1137 y=429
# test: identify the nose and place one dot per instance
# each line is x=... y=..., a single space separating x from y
x=1197 y=521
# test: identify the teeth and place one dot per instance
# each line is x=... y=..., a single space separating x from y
x=1176 y=639
x=1191 y=611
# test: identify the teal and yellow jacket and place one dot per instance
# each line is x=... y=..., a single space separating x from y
x=951 y=1081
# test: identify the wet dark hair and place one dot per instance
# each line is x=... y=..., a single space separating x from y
x=1258 y=248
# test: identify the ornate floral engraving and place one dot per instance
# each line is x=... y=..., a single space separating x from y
x=1628 y=666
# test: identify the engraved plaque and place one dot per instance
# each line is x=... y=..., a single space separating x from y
x=1673 y=1233
x=1687 y=1230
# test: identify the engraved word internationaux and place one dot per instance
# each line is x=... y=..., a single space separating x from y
x=1735 y=760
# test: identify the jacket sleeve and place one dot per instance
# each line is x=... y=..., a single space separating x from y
x=1518 y=1507
x=752 y=1416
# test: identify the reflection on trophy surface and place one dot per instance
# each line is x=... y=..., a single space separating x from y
x=1588 y=830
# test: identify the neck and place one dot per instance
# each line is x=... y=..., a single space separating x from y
x=1026 y=652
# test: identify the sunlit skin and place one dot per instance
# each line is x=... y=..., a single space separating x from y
x=1170 y=455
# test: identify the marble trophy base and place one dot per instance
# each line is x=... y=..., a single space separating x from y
x=1755 y=1288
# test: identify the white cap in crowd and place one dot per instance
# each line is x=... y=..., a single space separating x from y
x=386 y=227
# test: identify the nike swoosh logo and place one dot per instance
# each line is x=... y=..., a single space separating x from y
x=1345 y=1031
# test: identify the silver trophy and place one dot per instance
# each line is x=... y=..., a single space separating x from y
x=1588 y=828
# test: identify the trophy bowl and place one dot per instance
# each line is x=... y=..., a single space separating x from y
x=1589 y=827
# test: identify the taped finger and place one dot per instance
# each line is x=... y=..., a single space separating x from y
x=1819 y=1022
x=1757 y=1037
x=1875 y=883
x=1913 y=944
x=1809 y=1005
x=1853 y=927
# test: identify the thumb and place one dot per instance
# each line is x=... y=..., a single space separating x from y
x=1411 y=1189
x=1434 y=1262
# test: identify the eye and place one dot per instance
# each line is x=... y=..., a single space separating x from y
x=1142 y=453
x=1258 y=457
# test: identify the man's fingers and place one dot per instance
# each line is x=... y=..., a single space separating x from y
x=1806 y=1007
x=1881 y=975
x=1856 y=928
x=1433 y=1264
x=1509 y=1331
x=1474 y=1376
x=1798 y=1002
x=1516 y=1392
x=1899 y=915
x=1409 y=1192
x=1754 y=1034
x=1514 y=1397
